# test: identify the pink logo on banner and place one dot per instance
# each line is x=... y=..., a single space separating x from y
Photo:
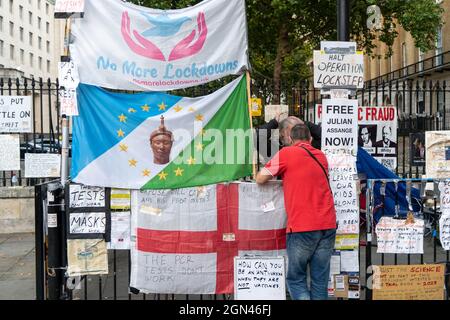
x=139 y=43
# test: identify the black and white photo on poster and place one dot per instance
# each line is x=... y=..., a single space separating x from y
x=417 y=148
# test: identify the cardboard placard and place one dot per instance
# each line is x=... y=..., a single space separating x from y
x=409 y=282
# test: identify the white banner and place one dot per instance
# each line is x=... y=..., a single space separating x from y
x=124 y=46
x=15 y=114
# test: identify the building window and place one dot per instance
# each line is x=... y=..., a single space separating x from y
x=11 y=52
x=11 y=6
x=1 y=23
x=30 y=17
x=1 y=48
x=421 y=57
x=31 y=59
x=21 y=12
x=47 y=7
x=439 y=47
x=40 y=43
x=48 y=66
x=30 y=37
x=47 y=27
x=39 y=23
x=11 y=29
x=21 y=33
x=48 y=46
x=404 y=60
x=40 y=63
x=39 y=4
x=22 y=56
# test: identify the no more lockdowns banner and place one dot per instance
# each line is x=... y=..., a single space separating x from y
x=123 y=46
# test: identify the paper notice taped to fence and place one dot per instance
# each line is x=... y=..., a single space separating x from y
x=87 y=257
x=398 y=236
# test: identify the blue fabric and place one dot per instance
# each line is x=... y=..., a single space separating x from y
x=97 y=103
x=374 y=170
x=314 y=248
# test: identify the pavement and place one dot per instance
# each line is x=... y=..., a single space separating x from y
x=17 y=267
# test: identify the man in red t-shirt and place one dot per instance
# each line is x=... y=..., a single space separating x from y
x=311 y=223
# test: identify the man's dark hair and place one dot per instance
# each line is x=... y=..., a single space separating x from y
x=300 y=132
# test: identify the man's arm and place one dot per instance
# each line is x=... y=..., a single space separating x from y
x=263 y=176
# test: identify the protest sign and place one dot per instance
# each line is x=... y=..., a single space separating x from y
x=259 y=278
x=339 y=125
x=270 y=111
x=444 y=230
x=437 y=156
x=347 y=241
x=86 y=257
x=417 y=148
x=87 y=222
x=64 y=8
x=81 y=196
x=398 y=236
x=15 y=114
x=408 y=282
x=120 y=199
x=377 y=132
x=68 y=75
x=68 y=102
x=9 y=152
x=256 y=104
x=42 y=165
x=89 y=212
x=120 y=231
x=338 y=70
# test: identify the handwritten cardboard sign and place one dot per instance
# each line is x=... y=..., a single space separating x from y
x=9 y=152
x=15 y=114
x=338 y=70
x=259 y=278
x=68 y=75
x=87 y=222
x=81 y=196
x=396 y=236
x=68 y=102
x=409 y=282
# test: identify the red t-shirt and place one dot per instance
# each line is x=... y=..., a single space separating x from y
x=307 y=197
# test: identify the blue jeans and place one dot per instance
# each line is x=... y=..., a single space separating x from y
x=313 y=248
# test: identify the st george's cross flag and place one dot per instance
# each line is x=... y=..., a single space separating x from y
x=184 y=240
x=160 y=141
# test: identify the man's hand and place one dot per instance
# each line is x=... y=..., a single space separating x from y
x=263 y=176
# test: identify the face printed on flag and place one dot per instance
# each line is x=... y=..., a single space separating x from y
x=161 y=141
